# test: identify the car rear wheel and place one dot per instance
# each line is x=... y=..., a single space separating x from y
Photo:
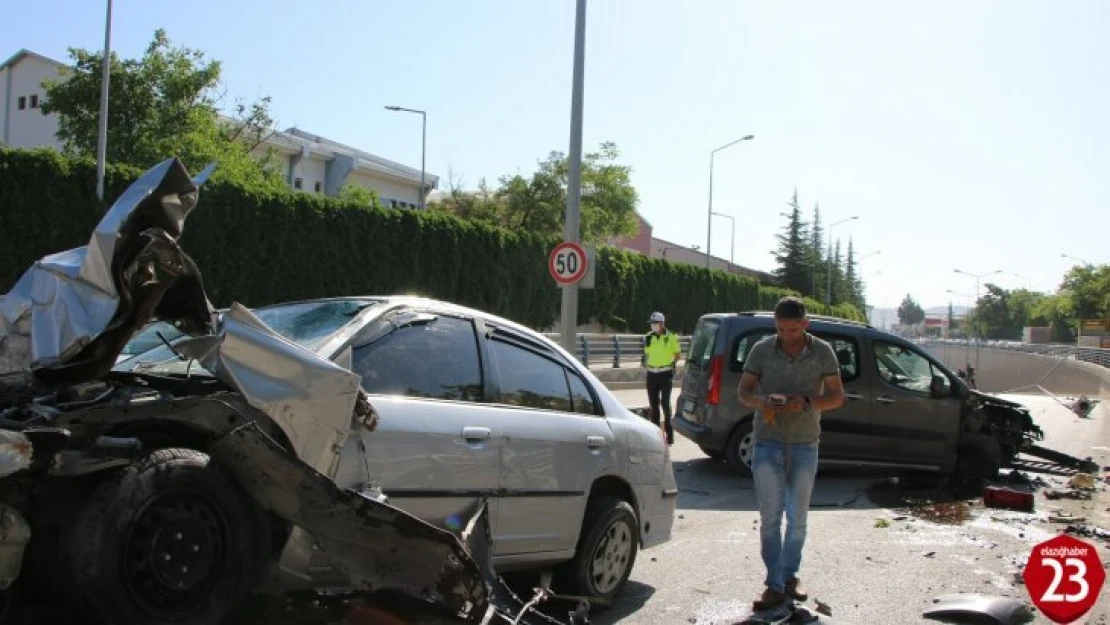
x=606 y=550
x=168 y=539
x=741 y=444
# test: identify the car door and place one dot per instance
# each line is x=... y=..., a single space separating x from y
x=556 y=442
x=910 y=424
x=846 y=431
x=436 y=448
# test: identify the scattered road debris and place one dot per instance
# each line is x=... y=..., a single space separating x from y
x=882 y=523
x=1002 y=610
x=1008 y=498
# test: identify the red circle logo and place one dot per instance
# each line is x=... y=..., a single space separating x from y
x=1064 y=577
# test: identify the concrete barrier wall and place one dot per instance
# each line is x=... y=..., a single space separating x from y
x=1004 y=370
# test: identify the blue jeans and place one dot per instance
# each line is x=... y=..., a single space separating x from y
x=784 y=476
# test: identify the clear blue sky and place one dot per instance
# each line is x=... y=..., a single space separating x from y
x=964 y=134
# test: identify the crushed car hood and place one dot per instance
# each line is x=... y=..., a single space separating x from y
x=69 y=316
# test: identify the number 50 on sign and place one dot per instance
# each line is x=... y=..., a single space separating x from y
x=1064 y=577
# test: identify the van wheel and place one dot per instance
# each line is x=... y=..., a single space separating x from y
x=606 y=550
x=741 y=444
x=979 y=458
x=168 y=539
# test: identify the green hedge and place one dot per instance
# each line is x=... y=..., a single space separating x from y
x=260 y=248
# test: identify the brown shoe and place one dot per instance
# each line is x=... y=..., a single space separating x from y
x=794 y=589
x=769 y=600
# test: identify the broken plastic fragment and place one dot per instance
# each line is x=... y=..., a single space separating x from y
x=15 y=452
x=1003 y=610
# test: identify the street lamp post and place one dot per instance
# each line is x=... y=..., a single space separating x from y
x=1022 y=278
x=709 y=217
x=828 y=287
x=978 y=279
x=1075 y=259
x=423 y=144
x=102 y=134
x=732 y=251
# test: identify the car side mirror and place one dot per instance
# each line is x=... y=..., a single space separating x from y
x=940 y=387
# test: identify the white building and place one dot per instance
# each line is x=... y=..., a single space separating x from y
x=22 y=123
x=308 y=162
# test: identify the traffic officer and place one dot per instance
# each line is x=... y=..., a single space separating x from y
x=661 y=353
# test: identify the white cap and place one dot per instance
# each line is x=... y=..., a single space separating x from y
x=657 y=317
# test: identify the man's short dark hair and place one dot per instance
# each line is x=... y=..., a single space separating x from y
x=790 y=308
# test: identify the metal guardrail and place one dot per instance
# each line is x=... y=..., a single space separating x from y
x=613 y=350
x=1096 y=355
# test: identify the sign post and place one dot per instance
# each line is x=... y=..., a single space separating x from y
x=1064 y=576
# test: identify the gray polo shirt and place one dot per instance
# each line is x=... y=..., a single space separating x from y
x=804 y=375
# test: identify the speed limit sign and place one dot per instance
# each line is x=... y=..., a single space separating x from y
x=1064 y=577
x=567 y=263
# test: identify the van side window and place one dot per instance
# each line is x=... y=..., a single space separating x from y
x=847 y=354
x=743 y=345
x=702 y=344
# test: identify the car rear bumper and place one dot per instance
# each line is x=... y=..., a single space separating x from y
x=657 y=510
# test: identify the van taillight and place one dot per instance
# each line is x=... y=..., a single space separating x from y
x=716 y=368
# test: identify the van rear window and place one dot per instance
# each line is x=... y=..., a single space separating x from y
x=702 y=344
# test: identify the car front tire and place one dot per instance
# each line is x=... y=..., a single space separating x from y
x=606 y=550
x=168 y=539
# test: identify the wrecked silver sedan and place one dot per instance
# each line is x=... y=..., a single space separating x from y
x=145 y=497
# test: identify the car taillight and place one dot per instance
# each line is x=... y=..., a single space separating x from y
x=716 y=368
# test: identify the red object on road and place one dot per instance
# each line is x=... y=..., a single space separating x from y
x=1008 y=498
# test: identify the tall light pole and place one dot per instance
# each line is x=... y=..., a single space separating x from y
x=1076 y=259
x=423 y=144
x=732 y=252
x=709 y=217
x=1022 y=278
x=102 y=135
x=978 y=279
x=569 y=312
x=828 y=287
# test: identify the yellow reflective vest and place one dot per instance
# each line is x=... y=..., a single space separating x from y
x=661 y=349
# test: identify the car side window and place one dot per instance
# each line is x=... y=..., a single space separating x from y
x=580 y=396
x=847 y=354
x=902 y=367
x=702 y=344
x=436 y=359
x=530 y=380
x=743 y=345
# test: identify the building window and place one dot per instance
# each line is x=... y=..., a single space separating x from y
x=319 y=186
x=298 y=183
x=22 y=102
x=35 y=101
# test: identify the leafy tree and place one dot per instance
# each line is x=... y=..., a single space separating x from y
x=537 y=203
x=359 y=194
x=161 y=105
x=1089 y=288
x=910 y=312
x=793 y=254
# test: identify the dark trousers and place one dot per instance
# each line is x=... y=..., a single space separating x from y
x=659 y=393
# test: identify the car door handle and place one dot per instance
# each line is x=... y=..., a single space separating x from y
x=476 y=434
x=595 y=442
x=885 y=399
x=854 y=396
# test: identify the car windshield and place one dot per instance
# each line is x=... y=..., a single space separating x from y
x=309 y=324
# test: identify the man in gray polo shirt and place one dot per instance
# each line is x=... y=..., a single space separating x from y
x=789 y=378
